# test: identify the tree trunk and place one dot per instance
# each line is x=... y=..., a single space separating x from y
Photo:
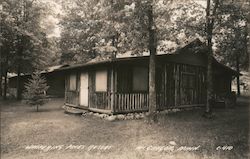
x=5 y=71
x=152 y=90
x=152 y=62
x=209 y=82
x=18 y=85
x=1 y=61
x=5 y=85
x=209 y=54
x=36 y=108
x=19 y=65
x=1 y=81
x=1 y=77
x=248 y=40
x=238 y=77
x=209 y=30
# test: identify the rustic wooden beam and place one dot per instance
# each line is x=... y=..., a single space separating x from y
x=72 y=105
x=97 y=110
x=78 y=74
x=112 y=87
x=176 y=75
x=66 y=88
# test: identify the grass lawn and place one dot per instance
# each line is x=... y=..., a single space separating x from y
x=80 y=137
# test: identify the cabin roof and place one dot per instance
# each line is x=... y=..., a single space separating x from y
x=128 y=57
x=53 y=68
x=196 y=46
x=45 y=71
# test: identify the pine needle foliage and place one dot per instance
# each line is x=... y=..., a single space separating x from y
x=36 y=87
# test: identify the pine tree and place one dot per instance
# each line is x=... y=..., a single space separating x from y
x=36 y=88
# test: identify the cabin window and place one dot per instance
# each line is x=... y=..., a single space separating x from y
x=101 y=81
x=72 y=82
x=140 y=79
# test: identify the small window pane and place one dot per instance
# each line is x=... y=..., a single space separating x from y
x=72 y=82
x=101 y=81
x=140 y=79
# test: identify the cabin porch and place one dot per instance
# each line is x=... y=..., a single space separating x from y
x=117 y=88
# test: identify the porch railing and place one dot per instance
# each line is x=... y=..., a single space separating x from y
x=121 y=102
x=71 y=97
x=130 y=102
x=100 y=100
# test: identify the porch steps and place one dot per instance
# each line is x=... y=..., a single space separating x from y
x=72 y=110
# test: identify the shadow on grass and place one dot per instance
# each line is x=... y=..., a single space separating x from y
x=54 y=104
x=43 y=110
x=228 y=127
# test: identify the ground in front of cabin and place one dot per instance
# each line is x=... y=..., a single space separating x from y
x=52 y=134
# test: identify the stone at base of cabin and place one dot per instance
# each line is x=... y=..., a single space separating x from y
x=120 y=117
x=175 y=110
x=172 y=143
x=91 y=113
x=96 y=114
x=103 y=115
x=143 y=115
x=84 y=114
x=111 y=118
x=129 y=117
x=165 y=112
x=137 y=116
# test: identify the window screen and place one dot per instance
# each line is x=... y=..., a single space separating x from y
x=140 y=79
x=101 y=79
x=72 y=82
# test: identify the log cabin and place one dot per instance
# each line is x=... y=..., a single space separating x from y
x=120 y=85
x=55 y=79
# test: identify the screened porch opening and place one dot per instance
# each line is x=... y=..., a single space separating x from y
x=99 y=92
x=132 y=89
x=101 y=81
x=71 y=95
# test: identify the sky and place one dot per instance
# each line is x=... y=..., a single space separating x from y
x=51 y=21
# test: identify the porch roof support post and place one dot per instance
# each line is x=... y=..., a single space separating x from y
x=113 y=81
x=66 y=88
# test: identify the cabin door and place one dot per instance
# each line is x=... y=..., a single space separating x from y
x=84 y=84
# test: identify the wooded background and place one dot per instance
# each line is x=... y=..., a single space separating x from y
x=36 y=34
